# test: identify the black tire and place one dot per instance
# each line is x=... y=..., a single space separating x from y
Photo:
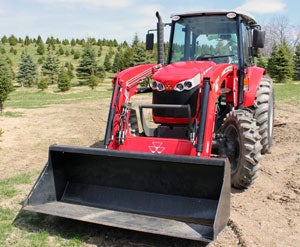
x=243 y=147
x=264 y=113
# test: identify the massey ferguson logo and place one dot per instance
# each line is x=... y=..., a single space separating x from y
x=156 y=148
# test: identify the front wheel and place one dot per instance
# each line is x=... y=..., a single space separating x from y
x=243 y=147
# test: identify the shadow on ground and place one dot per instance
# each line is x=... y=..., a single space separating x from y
x=93 y=234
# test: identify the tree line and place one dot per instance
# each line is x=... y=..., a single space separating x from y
x=78 y=61
x=89 y=61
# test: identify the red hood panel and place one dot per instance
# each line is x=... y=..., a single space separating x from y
x=177 y=72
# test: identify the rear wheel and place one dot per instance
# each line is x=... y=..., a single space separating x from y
x=264 y=113
x=243 y=147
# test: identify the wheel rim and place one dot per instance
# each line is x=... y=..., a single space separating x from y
x=233 y=147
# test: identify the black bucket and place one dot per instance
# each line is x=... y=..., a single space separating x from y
x=180 y=196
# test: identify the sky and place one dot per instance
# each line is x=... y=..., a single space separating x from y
x=120 y=19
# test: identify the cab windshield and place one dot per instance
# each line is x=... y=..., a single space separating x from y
x=204 y=38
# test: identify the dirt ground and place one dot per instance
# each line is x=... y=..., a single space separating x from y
x=266 y=214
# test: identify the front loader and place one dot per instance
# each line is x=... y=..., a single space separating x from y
x=171 y=173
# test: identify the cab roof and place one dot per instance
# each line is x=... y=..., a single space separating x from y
x=244 y=15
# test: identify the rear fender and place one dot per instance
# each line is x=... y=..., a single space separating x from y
x=253 y=75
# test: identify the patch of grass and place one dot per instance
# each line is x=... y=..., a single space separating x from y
x=44 y=230
x=12 y=114
x=288 y=93
x=32 y=229
x=38 y=239
x=7 y=189
x=6 y=219
x=33 y=98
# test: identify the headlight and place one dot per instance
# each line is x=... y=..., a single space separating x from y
x=156 y=85
x=187 y=84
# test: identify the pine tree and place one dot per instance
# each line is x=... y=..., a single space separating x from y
x=260 y=62
x=39 y=40
x=76 y=55
x=87 y=65
x=41 y=60
x=296 y=75
x=123 y=59
x=4 y=39
x=70 y=67
x=41 y=49
x=6 y=76
x=93 y=82
x=65 y=42
x=42 y=84
x=50 y=69
x=136 y=40
x=107 y=64
x=26 y=75
x=63 y=81
x=60 y=51
x=280 y=66
x=27 y=41
x=12 y=40
x=271 y=67
x=127 y=59
x=115 y=65
x=73 y=42
x=140 y=55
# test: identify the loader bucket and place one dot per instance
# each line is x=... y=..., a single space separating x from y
x=180 y=196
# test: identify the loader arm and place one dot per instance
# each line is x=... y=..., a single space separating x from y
x=125 y=86
x=212 y=82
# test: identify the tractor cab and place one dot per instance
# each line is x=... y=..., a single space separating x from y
x=204 y=38
x=199 y=43
x=219 y=36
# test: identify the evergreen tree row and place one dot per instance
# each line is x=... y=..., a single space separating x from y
x=88 y=71
x=283 y=64
x=13 y=40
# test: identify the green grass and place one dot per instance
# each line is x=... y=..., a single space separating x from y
x=8 y=190
x=21 y=228
x=33 y=98
x=12 y=114
x=6 y=218
x=288 y=93
x=7 y=186
x=37 y=229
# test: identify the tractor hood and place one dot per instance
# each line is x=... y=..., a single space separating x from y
x=174 y=73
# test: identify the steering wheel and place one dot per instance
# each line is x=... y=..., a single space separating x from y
x=205 y=56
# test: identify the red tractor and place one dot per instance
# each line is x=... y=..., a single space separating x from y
x=212 y=117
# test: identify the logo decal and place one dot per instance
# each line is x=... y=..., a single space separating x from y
x=156 y=148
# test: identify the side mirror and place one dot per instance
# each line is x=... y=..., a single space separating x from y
x=149 y=41
x=258 y=38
